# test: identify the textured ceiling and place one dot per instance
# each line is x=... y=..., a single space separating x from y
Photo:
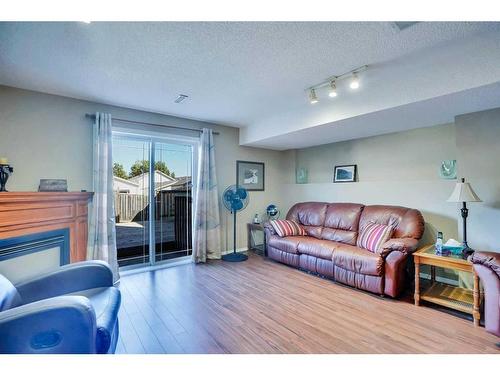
x=250 y=75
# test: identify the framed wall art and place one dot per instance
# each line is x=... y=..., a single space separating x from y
x=250 y=175
x=345 y=173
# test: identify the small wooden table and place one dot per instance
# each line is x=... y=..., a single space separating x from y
x=450 y=296
x=258 y=248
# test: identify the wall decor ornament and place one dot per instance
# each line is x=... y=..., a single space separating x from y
x=301 y=176
x=250 y=175
x=345 y=173
x=448 y=169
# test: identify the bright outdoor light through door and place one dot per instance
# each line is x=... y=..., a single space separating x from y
x=153 y=198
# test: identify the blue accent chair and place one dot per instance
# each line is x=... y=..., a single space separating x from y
x=73 y=309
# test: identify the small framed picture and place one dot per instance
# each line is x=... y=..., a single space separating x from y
x=250 y=175
x=52 y=184
x=345 y=173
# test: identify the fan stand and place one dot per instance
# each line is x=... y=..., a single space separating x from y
x=234 y=256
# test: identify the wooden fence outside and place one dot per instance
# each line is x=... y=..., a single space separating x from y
x=135 y=207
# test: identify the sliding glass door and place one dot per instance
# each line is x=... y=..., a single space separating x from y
x=173 y=200
x=130 y=185
x=153 y=186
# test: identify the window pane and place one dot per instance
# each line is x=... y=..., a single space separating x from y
x=131 y=186
x=173 y=188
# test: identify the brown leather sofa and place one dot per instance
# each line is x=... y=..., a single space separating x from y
x=330 y=250
x=487 y=266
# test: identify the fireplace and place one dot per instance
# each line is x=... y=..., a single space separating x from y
x=41 y=230
x=31 y=254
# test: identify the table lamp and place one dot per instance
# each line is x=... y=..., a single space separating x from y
x=463 y=193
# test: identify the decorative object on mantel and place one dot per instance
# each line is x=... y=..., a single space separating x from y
x=5 y=172
x=52 y=184
x=448 y=169
x=345 y=173
x=301 y=176
x=464 y=193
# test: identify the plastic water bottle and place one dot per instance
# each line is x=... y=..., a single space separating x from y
x=439 y=243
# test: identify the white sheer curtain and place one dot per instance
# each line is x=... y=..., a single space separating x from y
x=206 y=234
x=102 y=232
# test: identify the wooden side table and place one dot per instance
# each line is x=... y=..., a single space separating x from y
x=450 y=296
x=258 y=248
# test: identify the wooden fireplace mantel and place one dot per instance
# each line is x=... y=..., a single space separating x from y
x=23 y=213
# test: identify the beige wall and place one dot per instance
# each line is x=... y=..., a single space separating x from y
x=478 y=143
x=398 y=169
x=48 y=136
x=402 y=169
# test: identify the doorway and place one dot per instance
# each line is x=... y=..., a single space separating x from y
x=153 y=192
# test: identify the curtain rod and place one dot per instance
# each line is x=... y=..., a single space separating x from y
x=91 y=116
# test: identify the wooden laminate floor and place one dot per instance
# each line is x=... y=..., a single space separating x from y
x=260 y=306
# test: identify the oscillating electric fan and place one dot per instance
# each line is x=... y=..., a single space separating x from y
x=235 y=198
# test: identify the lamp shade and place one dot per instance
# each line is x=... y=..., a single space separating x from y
x=463 y=193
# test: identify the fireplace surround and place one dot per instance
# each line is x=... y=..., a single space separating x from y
x=50 y=223
x=31 y=254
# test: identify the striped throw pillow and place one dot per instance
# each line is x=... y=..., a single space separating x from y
x=286 y=228
x=373 y=236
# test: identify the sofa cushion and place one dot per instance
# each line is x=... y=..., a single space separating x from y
x=311 y=215
x=373 y=236
x=408 y=222
x=318 y=248
x=358 y=260
x=339 y=235
x=341 y=222
x=106 y=302
x=287 y=228
x=287 y=244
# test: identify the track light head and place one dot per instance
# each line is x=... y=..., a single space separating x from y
x=333 y=90
x=313 y=99
x=354 y=82
x=331 y=84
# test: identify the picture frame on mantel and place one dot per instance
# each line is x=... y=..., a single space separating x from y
x=345 y=173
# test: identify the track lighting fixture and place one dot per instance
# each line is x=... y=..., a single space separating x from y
x=332 y=82
x=354 y=81
x=313 y=99
x=333 y=90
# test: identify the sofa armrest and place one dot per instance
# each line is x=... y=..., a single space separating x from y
x=491 y=285
x=55 y=325
x=66 y=279
x=488 y=259
x=403 y=245
x=269 y=232
x=269 y=229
